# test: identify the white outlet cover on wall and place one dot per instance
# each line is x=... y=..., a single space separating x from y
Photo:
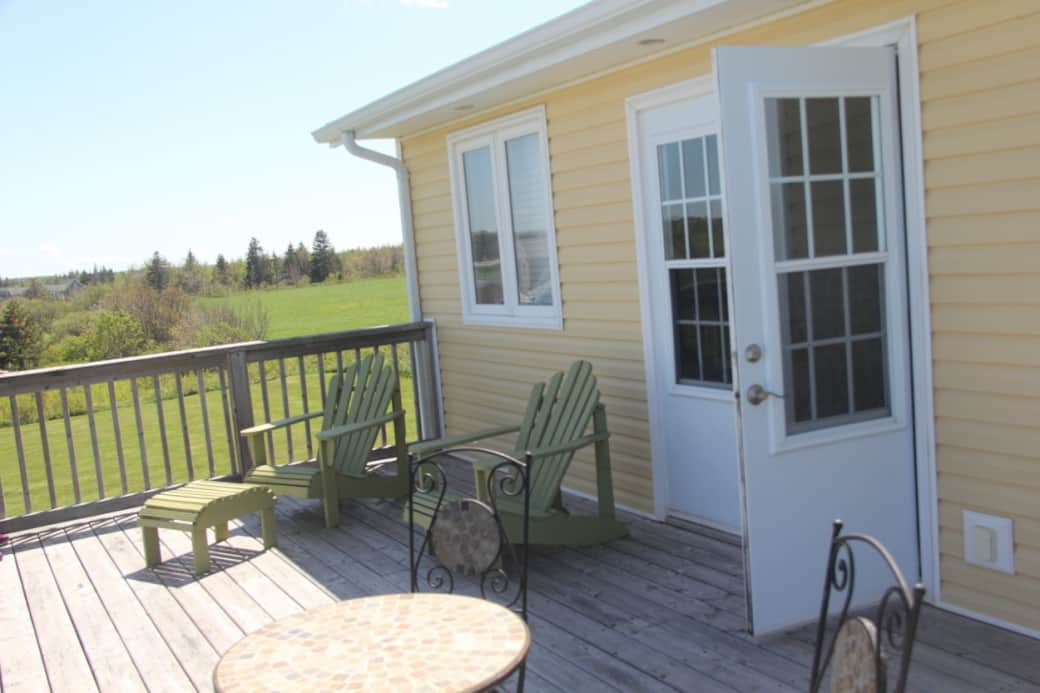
x=989 y=541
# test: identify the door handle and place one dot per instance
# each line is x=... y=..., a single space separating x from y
x=756 y=394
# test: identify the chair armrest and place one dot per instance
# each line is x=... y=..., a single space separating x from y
x=569 y=446
x=340 y=431
x=429 y=446
x=280 y=423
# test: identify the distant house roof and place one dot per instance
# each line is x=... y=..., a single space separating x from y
x=61 y=290
x=597 y=37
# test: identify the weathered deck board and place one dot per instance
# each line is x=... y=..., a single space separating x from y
x=660 y=611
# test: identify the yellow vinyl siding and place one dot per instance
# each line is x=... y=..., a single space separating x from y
x=980 y=84
x=980 y=88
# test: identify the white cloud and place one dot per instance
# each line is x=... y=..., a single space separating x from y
x=6 y=251
x=432 y=4
x=50 y=249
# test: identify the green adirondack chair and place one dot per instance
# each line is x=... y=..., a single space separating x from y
x=355 y=408
x=553 y=429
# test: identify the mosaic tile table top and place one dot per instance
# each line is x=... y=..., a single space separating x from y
x=394 y=642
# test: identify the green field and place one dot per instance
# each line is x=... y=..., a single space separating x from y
x=293 y=312
x=328 y=307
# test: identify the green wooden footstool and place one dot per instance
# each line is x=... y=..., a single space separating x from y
x=199 y=505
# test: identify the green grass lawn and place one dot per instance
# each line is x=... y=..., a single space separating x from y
x=293 y=312
x=328 y=307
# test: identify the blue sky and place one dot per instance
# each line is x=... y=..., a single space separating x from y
x=134 y=126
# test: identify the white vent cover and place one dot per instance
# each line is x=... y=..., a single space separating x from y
x=989 y=541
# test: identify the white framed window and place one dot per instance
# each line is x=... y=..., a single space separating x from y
x=504 y=229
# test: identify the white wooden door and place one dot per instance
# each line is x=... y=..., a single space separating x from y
x=810 y=141
x=685 y=263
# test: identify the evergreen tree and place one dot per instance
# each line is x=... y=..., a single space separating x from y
x=190 y=279
x=256 y=265
x=220 y=271
x=324 y=260
x=157 y=273
x=21 y=337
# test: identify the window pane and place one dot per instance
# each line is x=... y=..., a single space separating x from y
x=832 y=384
x=789 y=226
x=828 y=209
x=668 y=171
x=828 y=303
x=693 y=167
x=863 y=206
x=527 y=186
x=823 y=125
x=674 y=232
x=799 y=392
x=868 y=374
x=708 y=300
x=865 y=295
x=697 y=222
x=784 y=134
x=717 y=235
x=792 y=303
x=687 y=355
x=859 y=133
x=684 y=299
x=711 y=145
x=483 y=226
x=712 y=356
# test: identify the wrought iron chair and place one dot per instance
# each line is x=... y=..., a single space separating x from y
x=465 y=547
x=861 y=648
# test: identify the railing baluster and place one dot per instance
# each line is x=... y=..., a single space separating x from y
x=339 y=361
x=157 y=389
x=242 y=403
x=184 y=425
x=140 y=434
x=418 y=414
x=266 y=401
x=205 y=419
x=321 y=376
x=306 y=405
x=88 y=400
x=22 y=472
x=45 y=444
x=225 y=402
x=118 y=434
x=70 y=444
x=285 y=406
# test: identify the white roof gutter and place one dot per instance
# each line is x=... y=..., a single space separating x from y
x=404 y=201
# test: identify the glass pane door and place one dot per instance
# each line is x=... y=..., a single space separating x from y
x=830 y=259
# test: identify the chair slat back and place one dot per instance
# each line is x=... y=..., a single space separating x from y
x=557 y=412
x=359 y=393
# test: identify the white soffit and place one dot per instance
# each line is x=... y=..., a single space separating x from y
x=594 y=38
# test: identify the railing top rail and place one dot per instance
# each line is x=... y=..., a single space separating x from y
x=42 y=379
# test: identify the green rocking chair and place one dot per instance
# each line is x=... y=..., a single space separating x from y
x=355 y=409
x=552 y=430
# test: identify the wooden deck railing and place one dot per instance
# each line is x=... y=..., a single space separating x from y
x=81 y=440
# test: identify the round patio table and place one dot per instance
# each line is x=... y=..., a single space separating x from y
x=393 y=642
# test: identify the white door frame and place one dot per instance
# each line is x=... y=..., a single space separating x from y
x=902 y=34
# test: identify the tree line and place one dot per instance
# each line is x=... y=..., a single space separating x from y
x=152 y=309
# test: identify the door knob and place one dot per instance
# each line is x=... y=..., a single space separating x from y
x=756 y=394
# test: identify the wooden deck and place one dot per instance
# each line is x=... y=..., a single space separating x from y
x=660 y=611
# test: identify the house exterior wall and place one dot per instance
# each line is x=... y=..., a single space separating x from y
x=980 y=91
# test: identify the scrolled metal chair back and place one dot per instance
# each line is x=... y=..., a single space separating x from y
x=465 y=535
x=889 y=634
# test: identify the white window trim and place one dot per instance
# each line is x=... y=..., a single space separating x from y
x=510 y=313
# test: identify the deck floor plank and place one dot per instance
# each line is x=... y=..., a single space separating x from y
x=105 y=650
x=21 y=666
x=662 y=610
x=63 y=656
x=208 y=613
x=182 y=638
